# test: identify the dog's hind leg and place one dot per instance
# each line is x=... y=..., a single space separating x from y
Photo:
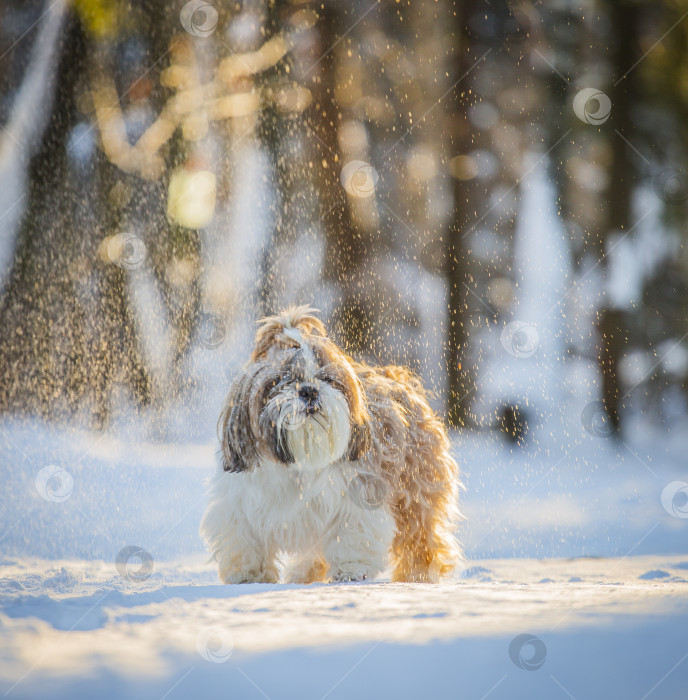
x=426 y=514
x=421 y=551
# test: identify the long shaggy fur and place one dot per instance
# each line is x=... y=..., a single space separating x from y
x=341 y=466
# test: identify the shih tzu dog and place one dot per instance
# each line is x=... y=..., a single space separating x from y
x=335 y=464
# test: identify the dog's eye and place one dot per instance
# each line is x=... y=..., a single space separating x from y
x=327 y=380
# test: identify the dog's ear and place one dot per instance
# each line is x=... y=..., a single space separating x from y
x=233 y=457
x=234 y=428
x=360 y=441
x=282 y=450
x=232 y=462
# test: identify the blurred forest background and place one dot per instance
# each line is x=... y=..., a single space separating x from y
x=170 y=171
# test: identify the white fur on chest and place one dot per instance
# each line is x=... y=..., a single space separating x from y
x=288 y=508
x=295 y=500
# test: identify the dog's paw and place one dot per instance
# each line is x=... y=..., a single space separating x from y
x=349 y=574
x=256 y=576
x=257 y=579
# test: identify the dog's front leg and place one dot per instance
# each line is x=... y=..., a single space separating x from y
x=241 y=555
x=251 y=564
x=359 y=546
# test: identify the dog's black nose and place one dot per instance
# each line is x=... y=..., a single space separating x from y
x=308 y=393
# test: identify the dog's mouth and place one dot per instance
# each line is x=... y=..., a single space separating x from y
x=312 y=408
x=307 y=411
x=314 y=413
x=318 y=417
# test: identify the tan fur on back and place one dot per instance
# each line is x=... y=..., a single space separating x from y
x=422 y=476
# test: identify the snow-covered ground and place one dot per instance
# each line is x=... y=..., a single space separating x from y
x=573 y=546
x=608 y=628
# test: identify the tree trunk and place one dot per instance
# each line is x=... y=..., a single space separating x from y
x=460 y=378
x=623 y=16
x=74 y=334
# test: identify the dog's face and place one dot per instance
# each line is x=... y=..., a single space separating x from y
x=298 y=401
